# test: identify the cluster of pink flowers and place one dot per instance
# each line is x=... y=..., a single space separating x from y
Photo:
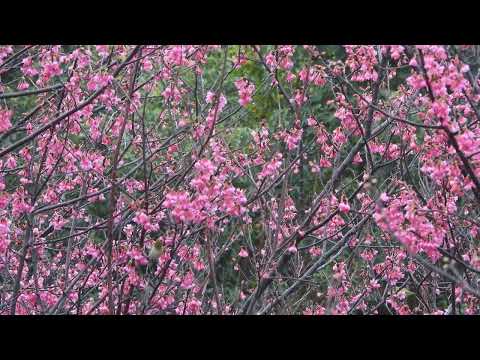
x=362 y=60
x=98 y=81
x=4 y=52
x=312 y=75
x=211 y=195
x=4 y=235
x=5 y=119
x=293 y=138
x=406 y=221
x=50 y=70
x=271 y=168
x=245 y=91
x=143 y=220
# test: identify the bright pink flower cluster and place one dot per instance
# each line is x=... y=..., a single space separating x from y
x=5 y=119
x=245 y=91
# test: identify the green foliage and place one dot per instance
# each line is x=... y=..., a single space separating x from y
x=99 y=209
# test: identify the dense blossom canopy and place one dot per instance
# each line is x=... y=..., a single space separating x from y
x=283 y=179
